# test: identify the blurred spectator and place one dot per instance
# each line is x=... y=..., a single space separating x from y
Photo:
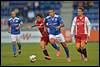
x=4 y=3
x=4 y=21
x=31 y=15
x=16 y=10
x=80 y=4
x=24 y=12
x=30 y=5
x=36 y=4
x=90 y=4
x=22 y=7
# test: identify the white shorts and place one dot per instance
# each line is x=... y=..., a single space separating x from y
x=58 y=37
x=15 y=37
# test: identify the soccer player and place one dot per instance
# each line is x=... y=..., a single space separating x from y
x=81 y=25
x=44 y=39
x=54 y=24
x=14 y=24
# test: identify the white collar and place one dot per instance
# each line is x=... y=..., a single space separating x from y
x=14 y=18
x=55 y=16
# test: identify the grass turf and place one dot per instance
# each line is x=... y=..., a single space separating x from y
x=28 y=49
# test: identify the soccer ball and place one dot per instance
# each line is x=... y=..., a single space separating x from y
x=32 y=58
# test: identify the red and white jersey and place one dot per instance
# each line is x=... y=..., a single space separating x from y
x=42 y=27
x=81 y=25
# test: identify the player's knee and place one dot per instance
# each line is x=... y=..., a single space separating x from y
x=77 y=45
x=52 y=41
x=42 y=44
x=82 y=44
x=14 y=41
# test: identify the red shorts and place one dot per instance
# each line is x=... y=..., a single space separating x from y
x=45 y=39
x=81 y=37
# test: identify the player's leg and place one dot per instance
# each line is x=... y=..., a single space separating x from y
x=78 y=46
x=79 y=49
x=78 y=43
x=61 y=39
x=19 y=44
x=13 y=38
x=83 y=44
x=52 y=40
x=54 y=45
x=43 y=44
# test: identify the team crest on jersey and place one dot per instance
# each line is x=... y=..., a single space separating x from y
x=16 y=20
x=55 y=19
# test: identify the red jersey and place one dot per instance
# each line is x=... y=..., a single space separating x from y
x=42 y=28
x=80 y=24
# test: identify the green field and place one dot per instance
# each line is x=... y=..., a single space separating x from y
x=28 y=49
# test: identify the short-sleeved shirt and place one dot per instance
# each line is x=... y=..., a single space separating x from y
x=13 y=23
x=52 y=23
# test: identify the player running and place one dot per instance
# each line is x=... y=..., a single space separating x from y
x=81 y=24
x=45 y=38
x=14 y=24
x=55 y=23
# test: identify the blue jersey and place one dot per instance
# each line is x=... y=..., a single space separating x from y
x=13 y=23
x=52 y=23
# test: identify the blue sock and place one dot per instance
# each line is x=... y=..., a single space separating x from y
x=55 y=46
x=14 y=48
x=67 y=51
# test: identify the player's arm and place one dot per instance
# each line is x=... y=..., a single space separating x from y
x=73 y=26
x=61 y=23
x=60 y=26
x=33 y=25
x=88 y=25
x=44 y=26
x=9 y=27
x=21 y=24
x=45 y=23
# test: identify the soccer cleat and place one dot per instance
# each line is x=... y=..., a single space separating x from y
x=19 y=51
x=15 y=54
x=47 y=57
x=57 y=53
x=68 y=59
x=82 y=56
x=85 y=59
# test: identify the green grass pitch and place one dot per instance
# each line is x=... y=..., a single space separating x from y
x=28 y=49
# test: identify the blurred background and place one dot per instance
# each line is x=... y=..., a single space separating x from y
x=26 y=10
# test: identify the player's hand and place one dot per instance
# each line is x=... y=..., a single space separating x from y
x=71 y=35
x=17 y=28
x=58 y=28
x=9 y=31
x=88 y=36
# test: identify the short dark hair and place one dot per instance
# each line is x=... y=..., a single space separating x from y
x=52 y=9
x=40 y=15
x=81 y=8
